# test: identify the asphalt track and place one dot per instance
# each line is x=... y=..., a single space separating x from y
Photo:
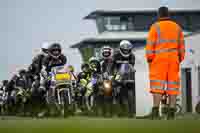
x=98 y=125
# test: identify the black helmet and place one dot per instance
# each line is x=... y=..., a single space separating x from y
x=5 y=82
x=94 y=64
x=85 y=67
x=82 y=75
x=55 y=50
x=22 y=72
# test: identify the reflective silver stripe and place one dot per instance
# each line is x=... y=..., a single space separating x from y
x=181 y=50
x=172 y=89
x=161 y=51
x=165 y=50
x=127 y=81
x=151 y=42
x=182 y=42
x=160 y=81
x=179 y=37
x=157 y=87
x=157 y=26
x=160 y=40
x=122 y=62
x=167 y=41
x=150 y=52
x=173 y=82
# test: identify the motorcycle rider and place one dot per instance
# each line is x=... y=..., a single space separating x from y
x=18 y=84
x=3 y=95
x=11 y=94
x=22 y=80
x=83 y=79
x=125 y=56
x=36 y=65
x=93 y=87
x=107 y=72
x=34 y=71
x=107 y=61
x=53 y=59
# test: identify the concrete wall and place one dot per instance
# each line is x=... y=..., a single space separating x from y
x=193 y=61
x=143 y=97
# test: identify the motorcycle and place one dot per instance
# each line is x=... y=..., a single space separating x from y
x=3 y=98
x=125 y=78
x=63 y=82
x=22 y=97
x=106 y=89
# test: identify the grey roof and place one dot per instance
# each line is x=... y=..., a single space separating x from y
x=193 y=33
x=97 y=13
x=121 y=34
x=114 y=36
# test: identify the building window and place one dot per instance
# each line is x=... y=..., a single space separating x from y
x=118 y=23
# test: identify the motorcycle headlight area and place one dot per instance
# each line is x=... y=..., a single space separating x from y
x=63 y=76
x=63 y=83
x=107 y=85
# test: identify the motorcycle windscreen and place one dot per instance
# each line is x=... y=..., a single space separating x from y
x=126 y=72
x=93 y=81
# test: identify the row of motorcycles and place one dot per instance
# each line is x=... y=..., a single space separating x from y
x=101 y=94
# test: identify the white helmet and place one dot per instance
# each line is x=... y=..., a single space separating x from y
x=45 y=47
x=106 y=52
x=125 y=48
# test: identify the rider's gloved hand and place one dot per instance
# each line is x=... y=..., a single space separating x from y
x=117 y=77
x=44 y=72
x=105 y=75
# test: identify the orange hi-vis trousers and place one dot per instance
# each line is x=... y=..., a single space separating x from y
x=165 y=49
x=164 y=77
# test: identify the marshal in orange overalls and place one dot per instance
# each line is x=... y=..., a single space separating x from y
x=165 y=49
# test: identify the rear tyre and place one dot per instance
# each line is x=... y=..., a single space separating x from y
x=197 y=108
x=65 y=103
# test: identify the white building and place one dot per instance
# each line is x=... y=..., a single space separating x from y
x=190 y=73
x=133 y=25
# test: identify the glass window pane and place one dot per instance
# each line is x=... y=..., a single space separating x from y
x=115 y=21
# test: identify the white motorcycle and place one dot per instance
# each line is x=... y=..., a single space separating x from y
x=63 y=83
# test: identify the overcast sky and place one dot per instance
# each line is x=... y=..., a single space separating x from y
x=26 y=24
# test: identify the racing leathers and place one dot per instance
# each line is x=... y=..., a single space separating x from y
x=48 y=63
x=125 y=74
x=107 y=66
x=35 y=71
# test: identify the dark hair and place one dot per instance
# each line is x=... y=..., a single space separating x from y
x=163 y=12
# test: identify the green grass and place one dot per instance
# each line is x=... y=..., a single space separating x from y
x=98 y=125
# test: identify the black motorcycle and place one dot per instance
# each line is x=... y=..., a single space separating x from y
x=125 y=80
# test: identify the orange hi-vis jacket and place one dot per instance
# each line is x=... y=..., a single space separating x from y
x=165 y=49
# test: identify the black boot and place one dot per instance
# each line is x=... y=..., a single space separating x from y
x=155 y=113
x=171 y=114
x=164 y=110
